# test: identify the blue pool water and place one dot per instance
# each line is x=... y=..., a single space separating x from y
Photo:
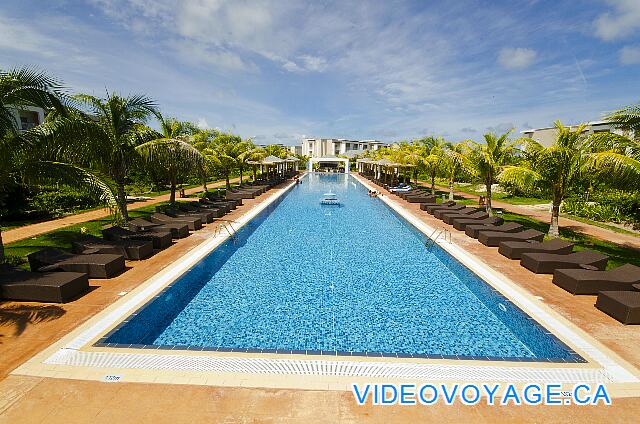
x=355 y=279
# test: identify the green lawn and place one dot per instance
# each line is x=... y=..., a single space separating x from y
x=618 y=255
x=63 y=237
x=502 y=197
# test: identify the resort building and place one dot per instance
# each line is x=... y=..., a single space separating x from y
x=322 y=147
x=547 y=136
x=296 y=150
x=28 y=117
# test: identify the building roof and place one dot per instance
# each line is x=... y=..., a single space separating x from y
x=591 y=123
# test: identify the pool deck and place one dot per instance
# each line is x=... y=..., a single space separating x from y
x=28 y=328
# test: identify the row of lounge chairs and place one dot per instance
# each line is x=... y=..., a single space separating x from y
x=59 y=276
x=580 y=272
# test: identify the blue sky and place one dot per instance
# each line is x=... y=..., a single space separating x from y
x=279 y=70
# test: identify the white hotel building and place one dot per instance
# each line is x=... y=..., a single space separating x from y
x=326 y=150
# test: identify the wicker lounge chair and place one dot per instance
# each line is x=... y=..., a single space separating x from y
x=477 y=215
x=509 y=227
x=159 y=239
x=96 y=265
x=441 y=213
x=515 y=249
x=460 y=222
x=584 y=281
x=421 y=199
x=432 y=210
x=215 y=212
x=230 y=205
x=225 y=208
x=205 y=217
x=493 y=238
x=55 y=287
x=192 y=222
x=142 y=225
x=547 y=263
x=621 y=305
x=130 y=249
x=427 y=206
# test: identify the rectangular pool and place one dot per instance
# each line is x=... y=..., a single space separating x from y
x=354 y=279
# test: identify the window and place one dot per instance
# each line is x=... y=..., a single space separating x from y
x=28 y=120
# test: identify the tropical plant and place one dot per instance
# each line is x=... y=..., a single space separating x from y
x=171 y=152
x=486 y=160
x=554 y=168
x=627 y=119
x=433 y=157
x=248 y=152
x=454 y=162
x=222 y=154
x=617 y=158
x=34 y=158
x=104 y=135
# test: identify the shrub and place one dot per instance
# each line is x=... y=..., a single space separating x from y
x=63 y=200
x=607 y=206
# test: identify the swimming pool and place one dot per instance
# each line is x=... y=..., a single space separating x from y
x=350 y=280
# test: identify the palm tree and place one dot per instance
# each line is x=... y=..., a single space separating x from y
x=36 y=159
x=171 y=152
x=487 y=159
x=433 y=157
x=223 y=153
x=627 y=119
x=455 y=160
x=108 y=133
x=616 y=157
x=248 y=152
x=554 y=168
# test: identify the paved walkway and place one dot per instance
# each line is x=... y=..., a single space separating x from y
x=33 y=230
x=622 y=239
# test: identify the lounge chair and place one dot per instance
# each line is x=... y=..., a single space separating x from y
x=509 y=227
x=547 y=263
x=461 y=222
x=214 y=212
x=621 y=305
x=225 y=208
x=95 y=265
x=130 y=249
x=440 y=213
x=429 y=206
x=515 y=249
x=432 y=210
x=205 y=217
x=55 y=287
x=421 y=199
x=478 y=215
x=584 y=281
x=142 y=225
x=493 y=238
x=192 y=222
x=160 y=239
x=231 y=205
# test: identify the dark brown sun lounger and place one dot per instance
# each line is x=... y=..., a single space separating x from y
x=547 y=263
x=192 y=222
x=420 y=199
x=219 y=203
x=205 y=217
x=460 y=223
x=160 y=239
x=584 y=281
x=478 y=215
x=509 y=227
x=225 y=208
x=432 y=210
x=621 y=305
x=493 y=238
x=214 y=212
x=440 y=213
x=55 y=287
x=435 y=205
x=96 y=265
x=515 y=249
x=177 y=230
x=131 y=249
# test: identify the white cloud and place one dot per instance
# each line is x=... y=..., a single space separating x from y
x=630 y=55
x=622 y=22
x=516 y=58
x=22 y=37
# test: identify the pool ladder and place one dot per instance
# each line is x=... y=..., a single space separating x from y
x=226 y=225
x=436 y=234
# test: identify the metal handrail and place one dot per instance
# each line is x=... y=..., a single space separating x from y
x=440 y=231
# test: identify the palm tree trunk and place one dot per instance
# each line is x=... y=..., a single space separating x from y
x=451 y=189
x=172 y=196
x=226 y=177
x=487 y=200
x=254 y=173
x=1 y=247
x=433 y=183
x=240 y=176
x=122 y=201
x=554 y=228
